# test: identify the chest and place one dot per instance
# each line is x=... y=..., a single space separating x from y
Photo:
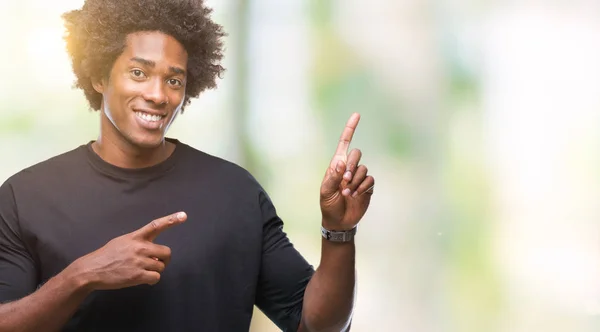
x=222 y=233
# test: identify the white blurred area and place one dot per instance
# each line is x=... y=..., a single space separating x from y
x=542 y=102
x=532 y=130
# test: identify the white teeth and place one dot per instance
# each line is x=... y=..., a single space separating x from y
x=148 y=117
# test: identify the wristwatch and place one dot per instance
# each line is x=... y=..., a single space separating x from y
x=338 y=236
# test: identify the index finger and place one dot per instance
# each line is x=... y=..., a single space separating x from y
x=346 y=138
x=157 y=226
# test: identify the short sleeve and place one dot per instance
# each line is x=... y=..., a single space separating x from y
x=17 y=268
x=284 y=273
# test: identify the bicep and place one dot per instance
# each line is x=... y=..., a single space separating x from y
x=18 y=276
x=284 y=273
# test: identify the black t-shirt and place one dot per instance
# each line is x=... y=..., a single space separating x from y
x=230 y=254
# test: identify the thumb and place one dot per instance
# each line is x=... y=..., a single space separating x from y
x=333 y=179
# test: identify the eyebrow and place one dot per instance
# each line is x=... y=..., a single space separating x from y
x=152 y=64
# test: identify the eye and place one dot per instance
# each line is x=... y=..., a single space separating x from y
x=137 y=73
x=175 y=82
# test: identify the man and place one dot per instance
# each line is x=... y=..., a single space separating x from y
x=138 y=232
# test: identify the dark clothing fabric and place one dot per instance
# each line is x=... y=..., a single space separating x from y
x=230 y=254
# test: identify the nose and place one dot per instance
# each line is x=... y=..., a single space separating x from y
x=155 y=93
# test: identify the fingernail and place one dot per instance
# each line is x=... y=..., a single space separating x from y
x=348 y=175
x=181 y=215
x=346 y=192
x=355 y=194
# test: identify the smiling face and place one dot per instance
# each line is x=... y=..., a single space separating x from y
x=144 y=91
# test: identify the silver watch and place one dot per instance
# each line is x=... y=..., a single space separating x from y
x=338 y=236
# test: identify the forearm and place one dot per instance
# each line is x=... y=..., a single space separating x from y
x=329 y=296
x=47 y=309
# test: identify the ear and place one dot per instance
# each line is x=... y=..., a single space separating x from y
x=98 y=85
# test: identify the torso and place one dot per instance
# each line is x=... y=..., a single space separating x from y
x=211 y=279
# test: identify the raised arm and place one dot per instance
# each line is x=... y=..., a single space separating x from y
x=345 y=196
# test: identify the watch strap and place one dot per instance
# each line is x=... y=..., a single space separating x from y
x=338 y=236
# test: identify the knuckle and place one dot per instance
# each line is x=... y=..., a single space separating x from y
x=137 y=262
x=140 y=249
x=137 y=276
x=154 y=224
x=362 y=169
x=154 y=278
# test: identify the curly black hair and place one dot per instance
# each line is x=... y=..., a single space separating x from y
x=96 y=36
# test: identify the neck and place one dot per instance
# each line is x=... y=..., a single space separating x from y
x=113 y=148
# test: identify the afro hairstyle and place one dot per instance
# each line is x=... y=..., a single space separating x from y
x=96 y=36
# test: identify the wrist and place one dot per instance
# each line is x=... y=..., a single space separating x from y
x=337 y=226
x=78 y=279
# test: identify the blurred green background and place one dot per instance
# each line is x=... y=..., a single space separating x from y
x=480 y=122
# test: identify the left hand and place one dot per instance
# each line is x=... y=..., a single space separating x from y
x=346 y=188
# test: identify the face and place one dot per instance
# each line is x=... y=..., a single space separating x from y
x=145 y=89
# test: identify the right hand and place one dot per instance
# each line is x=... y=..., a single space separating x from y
x=128 y=260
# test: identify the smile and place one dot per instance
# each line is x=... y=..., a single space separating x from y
x=149 y=117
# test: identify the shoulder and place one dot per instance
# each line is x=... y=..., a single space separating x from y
x=52 y=168
x=215 y=168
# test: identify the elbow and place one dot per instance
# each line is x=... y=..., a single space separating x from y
x=317 y=323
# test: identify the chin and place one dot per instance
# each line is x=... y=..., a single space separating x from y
x=146 y=141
